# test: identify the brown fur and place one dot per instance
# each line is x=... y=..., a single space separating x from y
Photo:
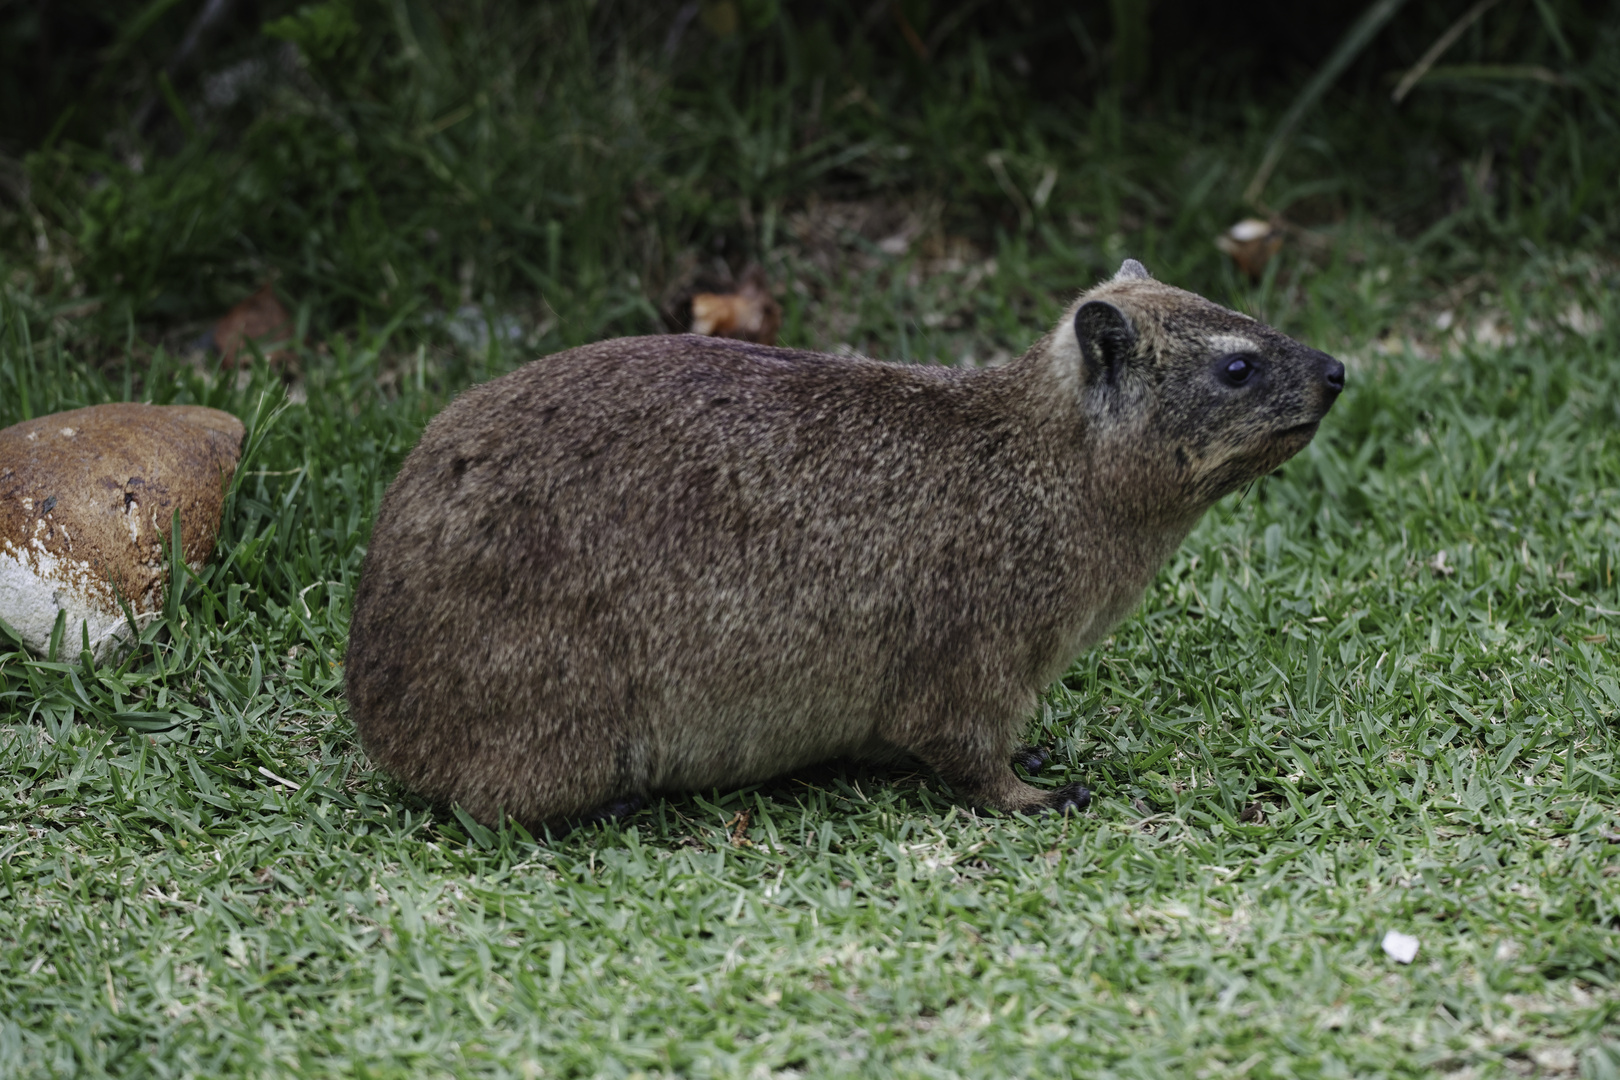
x=662 y=564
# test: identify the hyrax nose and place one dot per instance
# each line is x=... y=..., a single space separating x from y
x=1332 y=376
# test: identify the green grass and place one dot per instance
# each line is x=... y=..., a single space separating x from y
x=1314 y=731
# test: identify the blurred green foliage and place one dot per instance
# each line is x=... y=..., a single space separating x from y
x=388 y=156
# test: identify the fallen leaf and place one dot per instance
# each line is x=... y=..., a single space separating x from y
x=260 y=318
x=749 y=314
x=719 y=17
x=720 y=302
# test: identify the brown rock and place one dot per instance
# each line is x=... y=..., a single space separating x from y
x=87 y=498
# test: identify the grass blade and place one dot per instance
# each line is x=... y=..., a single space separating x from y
x=1362 y=31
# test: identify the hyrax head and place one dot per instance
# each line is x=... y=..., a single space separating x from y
x=1201 y=400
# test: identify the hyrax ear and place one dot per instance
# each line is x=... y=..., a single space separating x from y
x=1131 y=270
x=1106 y=339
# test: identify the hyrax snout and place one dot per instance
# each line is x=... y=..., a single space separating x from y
x=663 y=564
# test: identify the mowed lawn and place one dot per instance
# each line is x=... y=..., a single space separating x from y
x=1374 y=692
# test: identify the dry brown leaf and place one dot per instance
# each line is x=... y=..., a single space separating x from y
x=260 y=318
x=750 y=314
x=741 y=308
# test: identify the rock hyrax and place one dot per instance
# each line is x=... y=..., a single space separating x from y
x=661 y=564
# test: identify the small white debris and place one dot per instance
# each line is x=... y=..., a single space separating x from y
x=1402 y=948
x=1581 y=321
x=1555 y=1059
x=898 y=244
x=1249 y=229
x=1251 y=243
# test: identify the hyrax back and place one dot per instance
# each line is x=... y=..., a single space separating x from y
x=667 y=563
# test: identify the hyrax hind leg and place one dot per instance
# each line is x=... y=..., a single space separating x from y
x=973 y=758
x=1032 y=759
x=610 y=811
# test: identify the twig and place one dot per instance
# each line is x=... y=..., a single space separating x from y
x=213 y=13
x=683 y=19
x=278 y=779
x=304 y=590
x=1441 y=44
x=1534 y=72
x=1585 y=606
x=909 y=33
x=998 y=166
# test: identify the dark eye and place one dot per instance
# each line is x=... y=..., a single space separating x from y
x=1236 y=370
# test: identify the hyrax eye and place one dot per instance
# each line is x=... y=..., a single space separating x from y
x=1236 y=370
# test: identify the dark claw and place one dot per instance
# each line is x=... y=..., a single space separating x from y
x=1075 y=797
x=617 y=808
x=1029 y=758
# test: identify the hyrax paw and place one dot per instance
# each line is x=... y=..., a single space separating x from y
x=615 y=809
x=1071 y=799
x=1029 y=758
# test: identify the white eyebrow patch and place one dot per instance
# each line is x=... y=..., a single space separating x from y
x=1231 y=343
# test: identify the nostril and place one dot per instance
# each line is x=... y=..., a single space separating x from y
x=1333 y=375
